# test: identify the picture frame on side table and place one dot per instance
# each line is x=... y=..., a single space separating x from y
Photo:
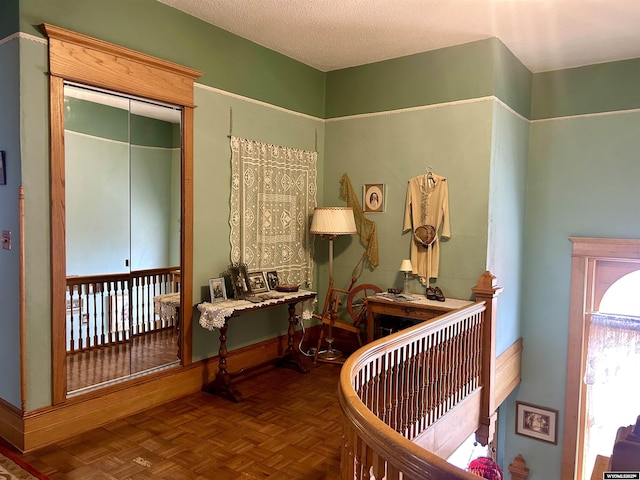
x=373 y=198
x=537 y=422
x=240 y=281
x=217 y=289
x=258 y=282
x=272 y=279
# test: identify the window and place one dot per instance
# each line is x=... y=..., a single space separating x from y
x=604 y=272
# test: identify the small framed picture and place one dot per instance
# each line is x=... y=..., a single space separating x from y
x=217 y=289
x=373 y=198
x=537 y=422
x=3 y=169
x=240 y=281
x=272 y=279
x=258 y=282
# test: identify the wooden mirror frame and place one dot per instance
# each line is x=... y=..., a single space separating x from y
x=79 y=58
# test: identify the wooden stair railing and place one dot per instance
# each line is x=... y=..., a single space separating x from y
x=110 y=309
x=412 y=398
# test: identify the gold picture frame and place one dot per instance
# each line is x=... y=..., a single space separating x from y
x=373 y=198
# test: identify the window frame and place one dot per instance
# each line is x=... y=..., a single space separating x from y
x=585 y=296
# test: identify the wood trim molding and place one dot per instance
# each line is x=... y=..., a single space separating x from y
x=58 y=240
x=84 y=59
x=508 y=367
x=586 y=251
x=186 y=243
x=23 y=301
x=79 y=58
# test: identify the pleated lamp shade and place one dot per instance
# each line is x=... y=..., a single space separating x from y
x=333 y=221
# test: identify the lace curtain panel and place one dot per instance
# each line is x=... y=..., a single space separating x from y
x=273 y=194
x=611 y=378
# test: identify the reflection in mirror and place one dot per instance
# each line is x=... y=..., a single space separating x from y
x=122 y=199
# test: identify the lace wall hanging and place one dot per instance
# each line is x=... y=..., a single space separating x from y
x=273 y=194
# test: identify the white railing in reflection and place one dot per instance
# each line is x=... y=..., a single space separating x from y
x=110 y=309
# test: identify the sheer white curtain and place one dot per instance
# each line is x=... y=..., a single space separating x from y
x=612 y=372
x=273 y=194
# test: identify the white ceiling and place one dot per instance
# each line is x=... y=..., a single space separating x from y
x=332 y=34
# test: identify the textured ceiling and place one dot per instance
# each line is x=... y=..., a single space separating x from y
x=332 y=34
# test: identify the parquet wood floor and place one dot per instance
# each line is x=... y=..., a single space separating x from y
x=103 y=364
x=288 y=428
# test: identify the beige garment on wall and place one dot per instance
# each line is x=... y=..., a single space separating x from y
x=434 y=195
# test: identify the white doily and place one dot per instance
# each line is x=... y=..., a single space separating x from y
x=166 y=304
x=214 y=315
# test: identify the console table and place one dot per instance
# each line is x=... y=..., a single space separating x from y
x=217 y=315
x=418 y=307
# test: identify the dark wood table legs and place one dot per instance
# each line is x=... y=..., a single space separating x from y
x=222 y=384
x=292 y=357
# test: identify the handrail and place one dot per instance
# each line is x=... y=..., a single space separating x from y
x=109 y=309
x=387 y=400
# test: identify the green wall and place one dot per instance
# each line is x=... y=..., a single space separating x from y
x=9 y=17
x=212 y=188
x=9 y=259
x=519 y=188
x=434 y=77
x=455 y=140
x=229 y=62
x=606 y=87
x=582 y=181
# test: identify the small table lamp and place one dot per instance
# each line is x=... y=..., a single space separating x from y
x=332 y=221
x=406 y=267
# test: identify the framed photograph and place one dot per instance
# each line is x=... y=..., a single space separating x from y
x=217 y=289
x=258 y=282
x=373 y=198
x=3 y=166
x=119 y=312
x=272 y=279
x=537 y=422
x=240 y=281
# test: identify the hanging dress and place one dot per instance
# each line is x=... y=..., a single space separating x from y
x=427 y=204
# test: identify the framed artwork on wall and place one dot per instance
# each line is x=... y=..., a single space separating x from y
x=373 y=198
x=537 y=422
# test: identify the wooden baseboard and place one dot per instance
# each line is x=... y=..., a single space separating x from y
x=11 y=423
x=35 y=429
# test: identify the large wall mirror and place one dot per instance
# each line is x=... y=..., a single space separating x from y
x=121 y=209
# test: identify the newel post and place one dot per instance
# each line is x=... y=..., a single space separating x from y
x=488 y=291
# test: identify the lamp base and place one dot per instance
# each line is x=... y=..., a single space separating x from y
x=330 y=355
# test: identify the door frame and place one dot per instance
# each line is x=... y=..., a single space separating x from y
x=584 y=296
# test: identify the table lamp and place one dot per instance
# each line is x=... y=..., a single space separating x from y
x=332 y=221
x=406 y=268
